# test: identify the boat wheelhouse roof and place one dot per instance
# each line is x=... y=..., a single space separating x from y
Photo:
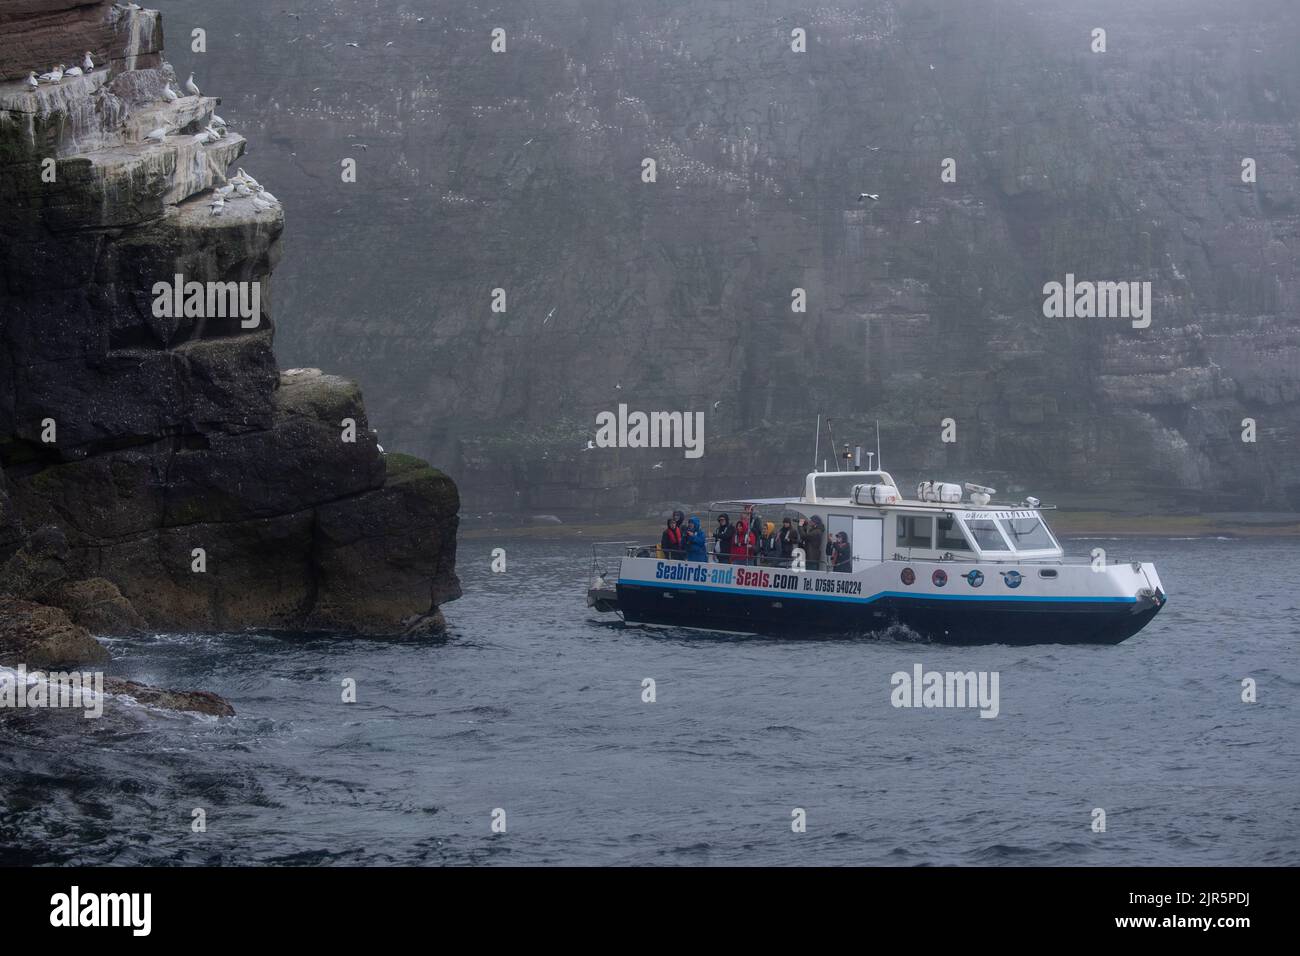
x=811 y=498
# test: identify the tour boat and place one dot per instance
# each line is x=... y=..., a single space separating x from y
x=950 y=565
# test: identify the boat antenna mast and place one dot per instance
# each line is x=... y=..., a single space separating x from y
x=817 y=441
x=880 y=465
x=831 y=433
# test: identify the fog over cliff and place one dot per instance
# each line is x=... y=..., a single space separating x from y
x=522 y=170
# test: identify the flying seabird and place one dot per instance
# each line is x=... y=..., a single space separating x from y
x=659 y=465
x=872 y=196
x=191 y=87
x=358 y=45
x=590 y=445
x=717 y=405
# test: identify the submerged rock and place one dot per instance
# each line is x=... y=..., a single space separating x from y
x=192 y=701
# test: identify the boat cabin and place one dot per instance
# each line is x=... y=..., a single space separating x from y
x=937 y=525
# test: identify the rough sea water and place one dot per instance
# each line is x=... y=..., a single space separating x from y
x=535 y=707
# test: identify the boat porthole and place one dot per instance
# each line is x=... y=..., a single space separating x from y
x=1045 y=573
x=940 y=577
x=908 y=576
x=975 y=578
x=1012 y=578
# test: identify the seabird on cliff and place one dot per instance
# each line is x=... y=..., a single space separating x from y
x=169 y=94
x=261 y=205
x=88 y=64
x=247 y=178
x=191 y=87
x=73 y=71
x=224 y=191
x=218 y=121
x=218 y=206
x=31 y=79
x=53 y=76
x=157 y=135
x=263 y=194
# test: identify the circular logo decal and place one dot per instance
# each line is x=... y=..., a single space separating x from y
x=975 y=579
x=1011 y=578
x=940 y=577
x=908 y=576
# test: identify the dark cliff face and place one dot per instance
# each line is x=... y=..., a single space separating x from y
x=144 y=437
x=521 y=170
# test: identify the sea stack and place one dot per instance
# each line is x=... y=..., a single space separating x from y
x=170 y=452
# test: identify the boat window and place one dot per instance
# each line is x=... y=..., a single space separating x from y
x=915 y=531
x=986 y=534
x=949 y=536
x=1028 y=534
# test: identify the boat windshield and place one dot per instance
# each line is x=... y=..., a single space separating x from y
x=986 y=535
x=1028 y=533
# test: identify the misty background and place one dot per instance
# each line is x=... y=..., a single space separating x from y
x=522 y=170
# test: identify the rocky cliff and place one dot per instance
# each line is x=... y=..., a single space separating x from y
x=163 y=453
x=521 y=170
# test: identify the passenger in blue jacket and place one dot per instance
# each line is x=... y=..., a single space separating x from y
x=697 y=545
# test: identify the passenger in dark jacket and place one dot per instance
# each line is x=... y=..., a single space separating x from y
x=841 y=553
x=671 y=541
x=814 y=537
x=697 y=545
x=722 y=537
x=787 y=539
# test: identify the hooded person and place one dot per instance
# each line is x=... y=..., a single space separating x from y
x=740 y=542
x=722 y=536
x=697 y=545
x=671 y=541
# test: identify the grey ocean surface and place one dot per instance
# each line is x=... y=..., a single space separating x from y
x=536 y=709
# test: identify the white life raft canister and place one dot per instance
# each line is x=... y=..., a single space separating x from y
x=875 y=495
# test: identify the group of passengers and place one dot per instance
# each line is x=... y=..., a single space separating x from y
x=753 y=541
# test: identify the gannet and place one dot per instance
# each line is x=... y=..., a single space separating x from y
x=247 y=178
x=217 y=120
x=202 y=138
x=224 y=191
x=31 y=79
x=191 y=87
x=53 y=76
x=218 y=206
x=242 y=189
x=263 y=194
x=169 y=94
x=157 y=135
x=872 y=196
x=260 y=205
x=73 y=71
x=88 y=64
